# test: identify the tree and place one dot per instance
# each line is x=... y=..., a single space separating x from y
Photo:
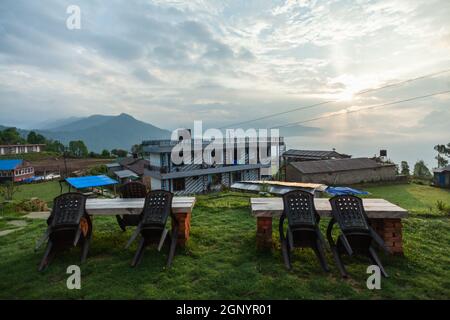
x=443 y=154
x=138 y=150
x=11 y=136
x=78 y=149
x=36 y=138
x=54 y=146
x=421 y=171
x=119 y=153
x=404 y=168
x=106 y=154
x=92 y=154
x=8 y=189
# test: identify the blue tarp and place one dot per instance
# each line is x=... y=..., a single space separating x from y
x=10 y=164
x=338 y=191
x=91 y=181
x=33 y=179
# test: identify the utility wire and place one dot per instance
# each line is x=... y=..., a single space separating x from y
x=335 y=114
x=336 y=100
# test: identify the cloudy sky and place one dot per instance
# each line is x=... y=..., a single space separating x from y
x=172 y=62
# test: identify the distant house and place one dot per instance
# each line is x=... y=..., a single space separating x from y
x=15 y=170
x=7 y=149
x=340 y=171
x=442 y=177
x=130 y=168
x=293 y=155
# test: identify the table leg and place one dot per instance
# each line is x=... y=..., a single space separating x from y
x=264 y=232
x=390 y=231
x=184 y=227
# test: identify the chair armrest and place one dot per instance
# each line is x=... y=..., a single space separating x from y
x=133 y=236
x=174 y=218
x=329 y=230
x=43 y=238
x=344 y=238
x=281 y=227
x=347 y=245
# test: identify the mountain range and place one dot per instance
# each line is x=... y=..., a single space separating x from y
x=117 y=132
x=100 y=131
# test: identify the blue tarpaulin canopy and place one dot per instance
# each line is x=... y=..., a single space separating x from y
x=91 y=181
x=10 y=164
x=338 y=191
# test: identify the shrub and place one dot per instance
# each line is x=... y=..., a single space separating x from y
x=442 y=207
x=32 y=205
x=8 y=189
x=97 y=170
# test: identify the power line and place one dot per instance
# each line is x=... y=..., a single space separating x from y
x=336 y=100
x=404 y=81
x=280 y=113
x=362 y=109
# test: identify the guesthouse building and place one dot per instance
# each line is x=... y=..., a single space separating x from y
x=15 y=170
x=198 y=178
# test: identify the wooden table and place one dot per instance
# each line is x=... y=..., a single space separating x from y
x=181 y=206
x=385 y=218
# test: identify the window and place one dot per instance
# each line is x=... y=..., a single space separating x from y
x=178 y=184
x=216 y=179
x=237 y=176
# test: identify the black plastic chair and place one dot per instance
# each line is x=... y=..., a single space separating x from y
x=303 y=227
x=357 y=236
x=68 y=225
x=152 y=225
x=132 y=189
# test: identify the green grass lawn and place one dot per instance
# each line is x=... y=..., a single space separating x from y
x=221 y=261
x=45 y=191
x=418 y=199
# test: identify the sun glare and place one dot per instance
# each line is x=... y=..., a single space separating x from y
x=346 y=95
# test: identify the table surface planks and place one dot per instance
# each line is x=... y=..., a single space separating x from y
x=375 y=208
x=119 y=206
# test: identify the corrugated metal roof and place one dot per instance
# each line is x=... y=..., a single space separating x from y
x=126 y=174
x=112 y=165
x=272 y=188
x=334 y=165
x=10 y=164
x=314 y=154
x=137 y=165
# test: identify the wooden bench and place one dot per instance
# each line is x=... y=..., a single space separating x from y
x=385 y=218
x=181 y=206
